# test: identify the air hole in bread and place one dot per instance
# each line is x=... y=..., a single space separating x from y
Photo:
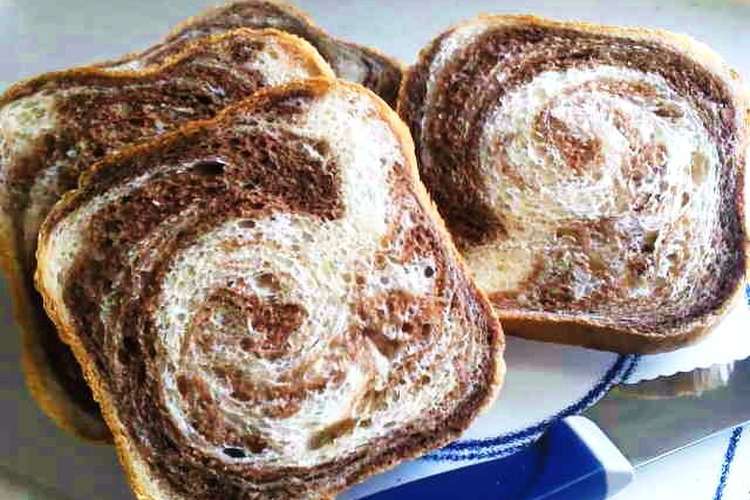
x=209 y=168
x=204 y=99
x=127 y=350
x=429 y=272
x=234 y=452
x=246 y=224
x=426 y=329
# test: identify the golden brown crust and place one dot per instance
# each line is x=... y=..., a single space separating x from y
x=30 y=85
x=588 y=331
x=144 y=485
x=41 y=380
x=591 y=334
x=317 y=35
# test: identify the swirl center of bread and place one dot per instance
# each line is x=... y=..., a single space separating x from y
x=602 y=144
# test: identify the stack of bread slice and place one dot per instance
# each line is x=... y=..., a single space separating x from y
x=223 y=256
x=56 y=125
x=258 y=293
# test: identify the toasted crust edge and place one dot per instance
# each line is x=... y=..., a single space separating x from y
x=28 y=85
x=144 y=485
x=590 y=333
x=291 y=10
x=593 y=335
x=40 y=380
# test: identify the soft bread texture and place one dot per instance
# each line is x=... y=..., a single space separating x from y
x=54 y=126
x=591 y=176
x=266 y=304
x=349 y=61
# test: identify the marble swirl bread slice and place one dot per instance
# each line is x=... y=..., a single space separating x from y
x=591 y=176
x=266 y=304
x=349 y=61
x=54 y=126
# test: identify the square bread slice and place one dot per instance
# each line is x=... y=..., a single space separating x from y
x=591 y=176
x=267 y=304
x=56 y=125
x=356 y=63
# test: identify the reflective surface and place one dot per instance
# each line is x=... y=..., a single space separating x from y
x=655 y=417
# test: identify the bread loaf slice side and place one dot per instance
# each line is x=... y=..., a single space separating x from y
x=352 y=62
x=592 y=176
x=281 y=312
x=54 y=126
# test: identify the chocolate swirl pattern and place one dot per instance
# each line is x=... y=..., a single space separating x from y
x=266 y=304
x=591 y=176
x=352 y=62
x=54 y=126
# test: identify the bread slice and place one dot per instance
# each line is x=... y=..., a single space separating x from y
x=54 y=126
x=591 y=176
x=349 y=61
x=266 y=304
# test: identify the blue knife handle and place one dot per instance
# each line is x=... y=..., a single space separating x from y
x=574 y=460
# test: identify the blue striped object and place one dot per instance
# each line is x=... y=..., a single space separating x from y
x=728 y=457
x=573 y=460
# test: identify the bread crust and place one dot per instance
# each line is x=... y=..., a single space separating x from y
x=144 y=485
x=30 y=85
x=40 y=379
x=593 y=334
x=292 y=11
x=597 y=333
